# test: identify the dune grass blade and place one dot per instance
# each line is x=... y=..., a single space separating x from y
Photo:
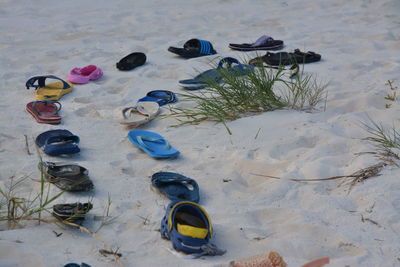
x=381 y=137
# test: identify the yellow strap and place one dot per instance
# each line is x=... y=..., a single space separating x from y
x=194 y=204
x=192 y=231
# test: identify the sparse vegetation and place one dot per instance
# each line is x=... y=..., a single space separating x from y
x=261 y=90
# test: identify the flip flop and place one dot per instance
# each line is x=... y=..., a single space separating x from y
x=72 y=212
x=228 y=64
x=187 y=225
x=176 y=186
x=44 y=111
x=85 y=74
x=140 y=114
x=194 y=48
x=153 y=144
x=131 y=61
x=67 y=177
x=263 y=43
x=162 y=97
x=50 y=92
x=285 y=58
x=58 y=142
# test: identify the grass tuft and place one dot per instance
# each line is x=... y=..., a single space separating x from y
x=260 y=90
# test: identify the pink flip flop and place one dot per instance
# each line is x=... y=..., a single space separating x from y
x=85 y=74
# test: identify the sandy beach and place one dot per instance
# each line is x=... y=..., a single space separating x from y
x=359 y=42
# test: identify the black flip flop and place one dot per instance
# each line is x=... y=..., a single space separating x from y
x=194 y=48
x=67 y=177
x=131 y=61
x=72 y=212
x=285 y=58
x=263 y=43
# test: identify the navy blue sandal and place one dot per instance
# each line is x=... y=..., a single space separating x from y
x=229 y=64
x=176 y=186
x=162 y=97
x=194 y=48
x=58 y=142
x=187 y=225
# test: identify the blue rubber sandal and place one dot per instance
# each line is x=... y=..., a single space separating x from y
x=230 y=64
x=176 y=186
x=187 y=225
x=189 y=228
x=58 y=142
x=153 y=144
x=162 y=97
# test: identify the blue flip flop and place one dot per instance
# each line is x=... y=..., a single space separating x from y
x=58 y=142
x=230 y=64
x=162 y=97
x=187 y=225
x=176 y=186
x=152 y=143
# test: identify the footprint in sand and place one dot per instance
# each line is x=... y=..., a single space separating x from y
x=87 y=112
x=83 y=100
x=294 y=148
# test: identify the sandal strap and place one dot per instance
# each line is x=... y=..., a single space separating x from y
x=41 y=82
x=56 y=139
x=58 y=105
x=160 y=141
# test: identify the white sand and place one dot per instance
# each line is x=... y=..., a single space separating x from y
x=359 y=43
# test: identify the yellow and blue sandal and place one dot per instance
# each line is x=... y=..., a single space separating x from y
x=52 y=91
x=188 y=226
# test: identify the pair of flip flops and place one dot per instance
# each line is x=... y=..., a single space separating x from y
x=58 y=142
x=286 y=58
x=263 y=43
x=153 y=144
x=131 y=61
x=85 y=74
x=194 y=48
x=45 y=111
x=50 y=92
x=140 y=114
x=161 y=97
x=227 y=65
x=66 y=176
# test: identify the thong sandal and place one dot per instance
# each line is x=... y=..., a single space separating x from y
x=194 y=48
x=263 y=43
x=140 y=114
x=58 y=142
x=153 y=144
x=50 y=92
x=228 y=64
x=285 y=58
x=176 y=186
x=72 y=212
x=45 y=111
x=67 y=177
x=162 y=97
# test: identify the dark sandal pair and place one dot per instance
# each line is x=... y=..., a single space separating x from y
x=286 y=58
